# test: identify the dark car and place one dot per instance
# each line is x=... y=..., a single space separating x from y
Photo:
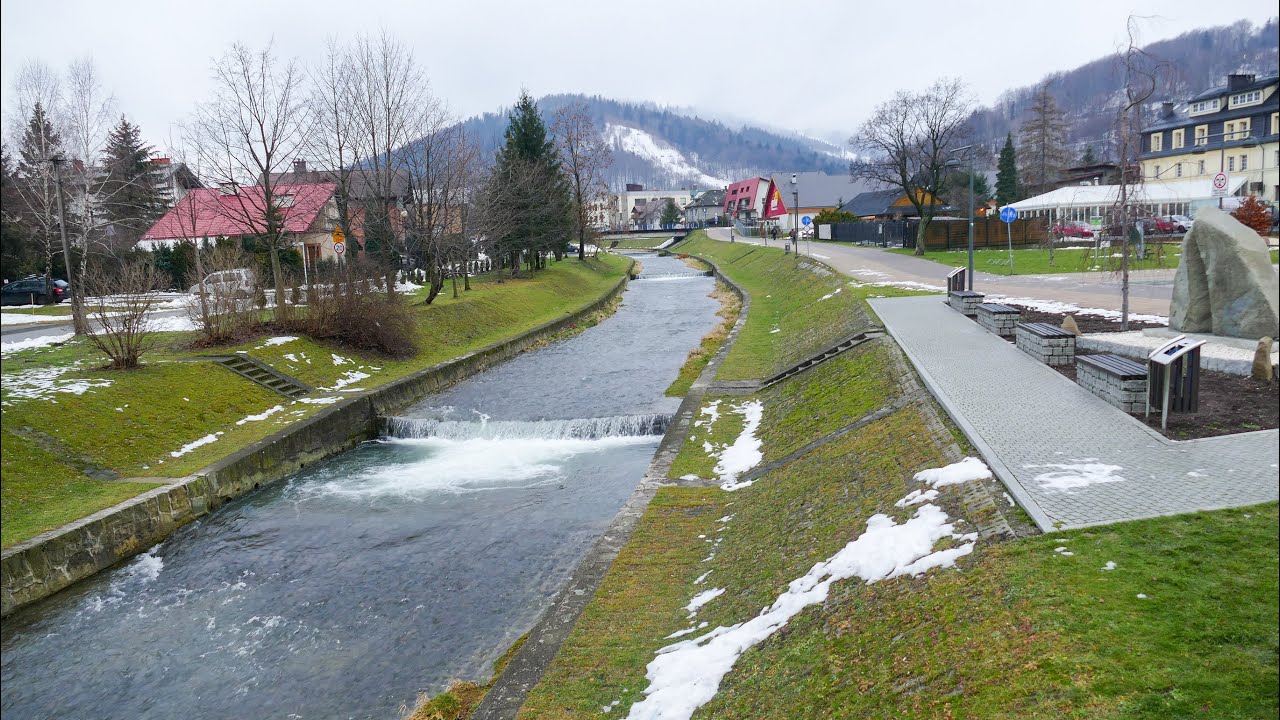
x=31 y=292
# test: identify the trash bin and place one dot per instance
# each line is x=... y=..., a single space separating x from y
x=1173 y=378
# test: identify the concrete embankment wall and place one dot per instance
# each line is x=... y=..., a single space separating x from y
x=35 y=569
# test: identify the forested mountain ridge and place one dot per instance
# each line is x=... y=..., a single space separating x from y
x=1091 y=94
x=659 y=147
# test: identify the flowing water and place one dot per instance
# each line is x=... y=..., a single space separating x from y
x=348 y=588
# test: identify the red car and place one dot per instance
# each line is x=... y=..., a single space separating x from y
x=1069 y=229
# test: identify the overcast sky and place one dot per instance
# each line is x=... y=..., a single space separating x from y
x=808 y=65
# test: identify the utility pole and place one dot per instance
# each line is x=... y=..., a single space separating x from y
x=77 y=305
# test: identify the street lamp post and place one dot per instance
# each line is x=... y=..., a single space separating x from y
x=795 y=212
x=969 y=272
x=77 y=302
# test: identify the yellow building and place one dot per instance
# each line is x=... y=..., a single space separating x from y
x=1234 y=129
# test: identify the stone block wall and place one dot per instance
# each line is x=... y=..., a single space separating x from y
x=964 y=301
x=1128 y=395
x=1000 y=323
x=1050 y=351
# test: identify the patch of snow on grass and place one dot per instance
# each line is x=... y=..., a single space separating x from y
x=703 y=598
x=686 y=675
x=319 y=400
x=7 y=348
x=686 y=631
x=702 y=578
x=1142 y=596
x=261 y=416
x=42 y=383
x=270 y=342
x=744 y=453
x=195 y=444
x=1063 y=551
x=349 y=377
x=830 y=295
x=915 y=497
x=1111 y=565
x=970 y=468
x=175 y=323
x=339 y=360
x=1065 y=477
x=1051 y=306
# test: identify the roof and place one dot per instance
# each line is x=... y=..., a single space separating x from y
x=748 y=188
x=1148 y=193
x=360 y=182
x=209 y=212
x=1220 y=90
x=818 y=189
x=1182 y=118
x=875 y=202
x=708 y=198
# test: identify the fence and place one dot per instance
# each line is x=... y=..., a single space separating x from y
x=949 y=234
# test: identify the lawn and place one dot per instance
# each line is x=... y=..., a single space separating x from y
x=72 y=430
x=1035 y=261
x=1183 y=625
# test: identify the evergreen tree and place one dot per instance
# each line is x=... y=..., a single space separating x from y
x=534 y=192
x=36 y=209
x=132 y=196
x=1089 y=158
x=1007 y=173
x=1042 y=142
x=670 y=214
x=17 y=251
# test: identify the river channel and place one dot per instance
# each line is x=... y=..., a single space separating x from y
x=350 y=587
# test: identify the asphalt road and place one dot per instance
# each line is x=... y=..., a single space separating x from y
x=14 y=333
x=1150 y=291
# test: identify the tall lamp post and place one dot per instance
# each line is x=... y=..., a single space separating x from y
x=795 y=211
x=969 y=273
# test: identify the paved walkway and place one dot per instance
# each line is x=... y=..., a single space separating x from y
x=1149 y=290
x=1070 y=459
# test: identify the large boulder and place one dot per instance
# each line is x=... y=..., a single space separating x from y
x=1225 y=284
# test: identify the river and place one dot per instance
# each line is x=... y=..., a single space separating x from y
x=350 y=587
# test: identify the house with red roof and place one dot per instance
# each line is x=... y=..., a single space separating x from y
x=307 y=211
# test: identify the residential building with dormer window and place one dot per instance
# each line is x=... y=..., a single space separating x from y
x=1234 y=129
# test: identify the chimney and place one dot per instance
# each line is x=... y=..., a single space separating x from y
x=1235 y=81
x=299 y=166
x=1166 y=109
x=227 y=188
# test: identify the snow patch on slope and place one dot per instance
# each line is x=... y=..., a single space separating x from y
x=641 y=144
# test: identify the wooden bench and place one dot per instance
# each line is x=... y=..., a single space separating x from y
x=1047 y=343
x=965 y=301
x=1118 y=380
x=997 y=318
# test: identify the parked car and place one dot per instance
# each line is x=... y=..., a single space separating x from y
x=29 y=291
x=228 y=283
x=1072 y=229
x=1181 y=223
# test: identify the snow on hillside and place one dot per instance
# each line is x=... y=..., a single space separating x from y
x=641 y=144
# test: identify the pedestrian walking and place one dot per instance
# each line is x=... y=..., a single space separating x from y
x=774 y=232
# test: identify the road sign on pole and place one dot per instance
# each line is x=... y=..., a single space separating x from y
x=1008 y=214
x=339 y=247
x=1220 y=182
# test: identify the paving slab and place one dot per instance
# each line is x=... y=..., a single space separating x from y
x=1069 y=458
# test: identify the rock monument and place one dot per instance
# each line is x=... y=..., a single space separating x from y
x=1225 y=284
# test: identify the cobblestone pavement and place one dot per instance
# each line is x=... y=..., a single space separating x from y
x=1149 y=290
x=1070 y=459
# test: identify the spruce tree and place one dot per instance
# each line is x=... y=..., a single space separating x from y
x=1007 y=173
x=132 y=196
x=37 y=206
x=1089 y=158
x=535 y=193
x=1042 y=144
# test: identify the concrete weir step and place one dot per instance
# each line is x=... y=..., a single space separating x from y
x=256 y=371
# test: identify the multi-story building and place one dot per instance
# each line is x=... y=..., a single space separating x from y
x=1233 y=129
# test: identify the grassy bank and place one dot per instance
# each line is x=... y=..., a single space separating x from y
x=1035 y=261
x=1182 y=624
x=71 y=431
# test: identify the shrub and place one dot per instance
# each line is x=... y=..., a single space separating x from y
x=119 y=305
x=1253 y=215
x=349 y=308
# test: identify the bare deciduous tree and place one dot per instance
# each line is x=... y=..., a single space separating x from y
x=905 y=144
x=584 y=158
x=89 y=110
x=121 y=323
x=254 y=126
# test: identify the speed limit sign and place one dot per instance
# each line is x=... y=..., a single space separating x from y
x=339 y=247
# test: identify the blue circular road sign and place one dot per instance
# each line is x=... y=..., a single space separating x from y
x=1008 y=214
x=806 y=220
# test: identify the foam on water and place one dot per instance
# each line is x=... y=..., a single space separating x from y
x=577 y=429
x=476 y=464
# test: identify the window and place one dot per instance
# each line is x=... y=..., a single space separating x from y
x=1205 y=106
x=1242 y=128
x=1228 y=131
x=1201 y=167
x=1157 y=142
x=1178 y=136
x=1231 y=164
x=1178 y=172
x=1202 y=135
x=1244 y=162
x=1275 y=123
x=1246 y=98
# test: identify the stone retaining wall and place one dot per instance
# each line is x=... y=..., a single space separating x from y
x=34 y=569
x=1050 y=351
x=1128 y=395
